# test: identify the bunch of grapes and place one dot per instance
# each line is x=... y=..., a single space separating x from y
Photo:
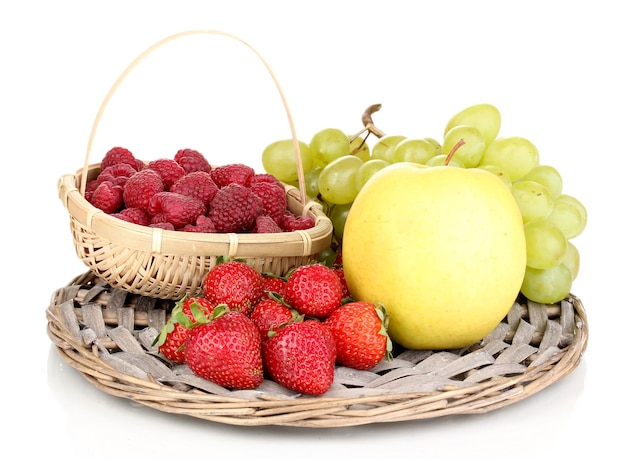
x=336 y=166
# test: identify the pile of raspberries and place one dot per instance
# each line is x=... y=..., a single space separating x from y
x=188 y=194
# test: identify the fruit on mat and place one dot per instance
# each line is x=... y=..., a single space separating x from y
x=301 y=356
x=360 y=332
x=234 y=283
x=187 y=312
x=449 y=248
x=314 y=290
x=226 y=350
x=270 y=314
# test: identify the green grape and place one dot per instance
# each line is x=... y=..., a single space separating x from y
x=383 y=149
x=547 y=176
x=471 y=151
x=328 y=145
x=516 y=155
x=545 y=244
x=279 y=159
x=569 y=215
x=360 y=149
x=572 y=259
x=337 y=181
x=533 y=199
x=327 y=257
x=367 y=170
x=498 y=172
x=311 y=180
x=547 y=285
x=413 y=151
x=439 y=160
x=436 y=145
x=484 y=117
x=338 y=215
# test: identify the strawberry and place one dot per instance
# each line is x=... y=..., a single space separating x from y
x=344 y=285
x=234 y=283
x=226 y=350
x=301 y=356
x=169 y=170
x=234 y=209
x=274 y=284
x=197 y=184
x=174 y=208
x=140 y=187
x=192 y=160
x=270 y=314
x=360 y=332
x=314 y=290
x=186 y=312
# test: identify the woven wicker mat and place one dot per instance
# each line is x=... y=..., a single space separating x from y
x=106 y=334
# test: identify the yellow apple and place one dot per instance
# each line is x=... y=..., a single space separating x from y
x=442 y=248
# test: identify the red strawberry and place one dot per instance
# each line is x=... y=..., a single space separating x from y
x=273 y=196
x=269 y=314
x=226 y=350
x=107 y=197
x=186 y=312
x=192 y=160
x=198 y=184
x=301 y=356
x=240 y=174
x=274 y=284
x=234 y=283
x=344 y=285
x=118 y=155
x=314 y=290
x=140 y=188
x=174 y=208
x=169 y=170
x=234 y=209
x=360 y=332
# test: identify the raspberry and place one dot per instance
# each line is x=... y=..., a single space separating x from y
x=266 y=224
x=264 y=178
x=141 y=187
x=234 y=209
x=133 y=215
x=163 y=225
x=107 y=197
x=116 y=174
x=203 y=225
x=192 y=160
x=273 y=197
x=291 y=222
x=174 y=208
x=169 y=170
x=232 y=173
x=117 y=155
x=90 y=187
x=197 y=184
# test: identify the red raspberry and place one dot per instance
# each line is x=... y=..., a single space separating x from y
x=163 y=225
x=273 y=197
x=264 y=178
x=197 y=184
x=141 y=187
x=117 y=155
x=117 y=174
x=234 y=209
x=133 y=215
x=232 y=173
x=90 y=187
x=203 y=225
x=174 y=208
x=169 y=170
x=266 y=224
x=192 y=160
x=108 y=197
x=291 y=222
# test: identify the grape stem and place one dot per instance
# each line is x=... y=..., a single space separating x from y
x=370 y=127
x=456 y=146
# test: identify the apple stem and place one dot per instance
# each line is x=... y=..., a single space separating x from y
x=456 y=146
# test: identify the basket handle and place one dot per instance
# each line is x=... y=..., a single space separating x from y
x=154 y=47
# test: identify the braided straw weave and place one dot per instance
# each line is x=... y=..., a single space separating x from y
x=107 y=333
x=171 y=264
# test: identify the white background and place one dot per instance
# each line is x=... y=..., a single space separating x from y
x=554 y=69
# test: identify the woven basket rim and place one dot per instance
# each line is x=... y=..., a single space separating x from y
x=251 y=408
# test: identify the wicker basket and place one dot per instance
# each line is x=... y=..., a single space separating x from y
x=107 y=333
x=171 y=264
